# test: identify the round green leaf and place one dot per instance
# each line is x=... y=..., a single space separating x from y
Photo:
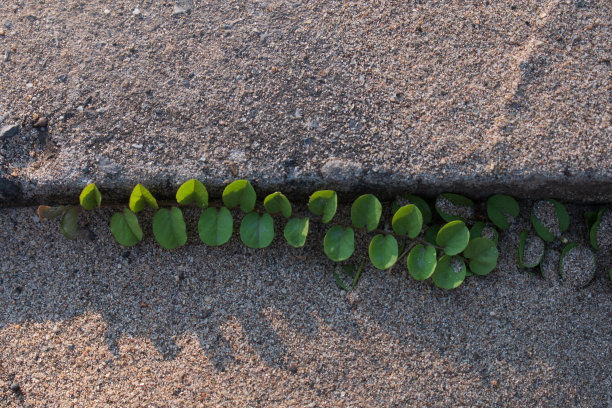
x=408 y=221
x=482 y=229
x=125 y=228
x=141 y=198
x=277 y=203
x=463 y=207
x=339 y=243
x=69 y=222
x=536 y=250
x=421 y=204
x=595 y=227
x=324 y=204
x=450 y=272
x=431 y=233
x=500 y=207
x=296 y=231
x=215 y=226
x=192 y=191
x=90 y=197
x=541 y=229
x=366 y=212
x=454 y=237
x=383 y=251
x=482 y=254
x=169 y=228
x=240 y=193
x=562 y=219
x=257 y=231
x=422 y=261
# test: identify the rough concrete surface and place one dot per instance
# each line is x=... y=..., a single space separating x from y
x=89 y=323
x=474 y=97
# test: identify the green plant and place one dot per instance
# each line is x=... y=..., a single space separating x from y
x=438 y=245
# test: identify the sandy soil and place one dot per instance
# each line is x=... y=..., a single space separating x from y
x=89 y=323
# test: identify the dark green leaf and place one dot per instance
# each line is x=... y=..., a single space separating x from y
x=296 y=231
x=125 y=228
x=462 y=204
x=69 y=222
x=482 y=254
x=450 y=272
x=432 y=233
x=192 y=191
x=358 y=275
x=454 y=237
x=323 y=203
x=482 y=229
x=141 y=198
x=215 y=226
x=169 y=228
x=593 y=230
x=500 y=207
x=90 y=197
x=422 y=261
x=366 y=212
x=48 y=213
x=339 y=281
x=339 y=243
x=277 y=203
x=257 y=231
x=383 y=251
x=523 y=263
x=408 y=221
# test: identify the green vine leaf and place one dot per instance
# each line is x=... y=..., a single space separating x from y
x=450 y=272
x=339 y=243
x=535 y=248
x=257 y=231
x=142 y=198
x=431 y=233
x=482 y=254
x=557 y=224
x=215 y=226
x=383 y=251
x=192 y=191
x=500 y=208
x=296 y=231
x=366 y=212
x=408 y=221
x=484 y=230
x=593 y=230
x=125 y=228
x=277 y=203
x=169 y=228
x=48 y=213
x=324 y=204
x=240 y=193
x=69 y=222
x=454 y=237
x=422 y=261
x=90 y=197
x=453 y=207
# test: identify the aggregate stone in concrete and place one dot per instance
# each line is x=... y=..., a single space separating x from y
x=476 y=98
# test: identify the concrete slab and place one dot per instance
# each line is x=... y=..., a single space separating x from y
x=382 y=96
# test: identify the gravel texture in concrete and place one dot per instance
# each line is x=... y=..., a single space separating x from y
x=89 y=323
x=385 y=95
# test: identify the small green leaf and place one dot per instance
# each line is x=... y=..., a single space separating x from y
x=482 y=254
x=277 y=203
x=421 y=261
x=541 y=229
x=192 y=191
x=240 y=193
x=215 y=226
x=454 y=237
x=593 y=230
x=358 y=275
x=257 y=231
x=349 y=270
x=296 y=231
x=562 y=218
x=141 y=198
x=383 y=251
x=500 y=207
x=523 y=263
x=421 y=204
x=169 y=228
x=124 y=227
x=69 y=222
x=450 y=272
x=339 y=243
x=339 y=281
x=323 y=203
x=482 y=229
x=463 y=207
x=408 y=221
x=48 y=213
x=90 y=197
x=366 y=212
x=431 y=233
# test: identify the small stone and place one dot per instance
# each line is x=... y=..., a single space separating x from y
x=29 y=85
x=8 y=131
x=16 y=388
x=106 y=11
x=41 y=122
x=2 y=32
x=136 y=12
